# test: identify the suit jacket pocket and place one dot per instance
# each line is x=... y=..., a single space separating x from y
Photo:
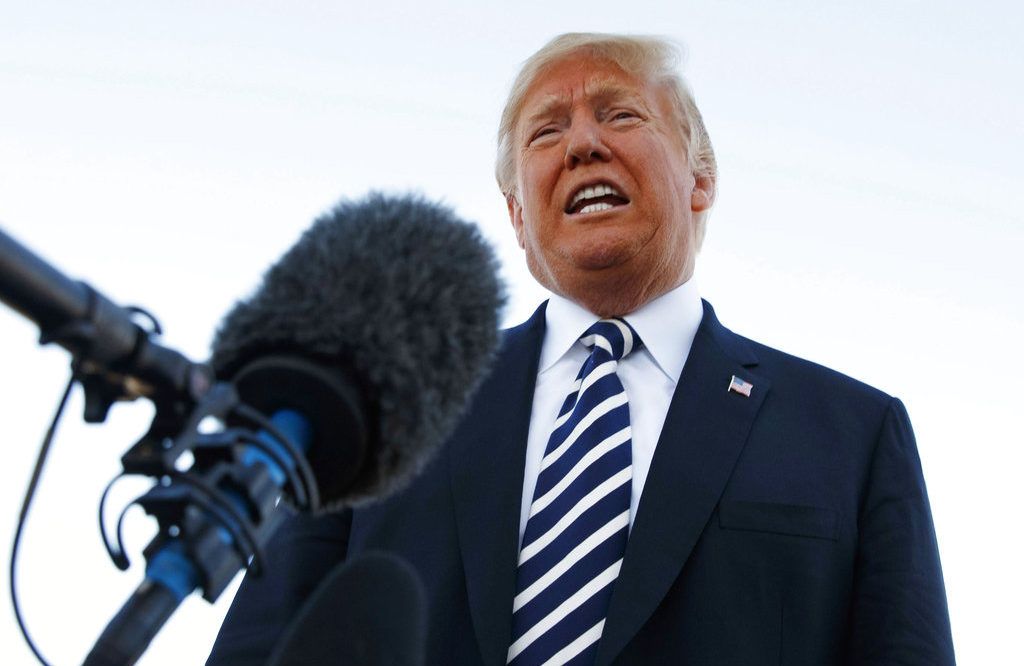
x=789 y=519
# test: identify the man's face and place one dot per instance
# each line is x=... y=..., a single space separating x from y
x=605 y=197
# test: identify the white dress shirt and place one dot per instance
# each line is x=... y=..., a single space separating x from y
x=667 y=326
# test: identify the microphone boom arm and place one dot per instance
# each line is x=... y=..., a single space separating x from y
x=115 y=358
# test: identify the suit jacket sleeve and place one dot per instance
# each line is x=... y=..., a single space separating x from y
x=898 y=614
x=301 y=553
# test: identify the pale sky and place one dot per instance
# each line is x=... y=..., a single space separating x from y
x=869 y=218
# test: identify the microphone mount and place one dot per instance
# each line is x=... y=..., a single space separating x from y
x=214 y=517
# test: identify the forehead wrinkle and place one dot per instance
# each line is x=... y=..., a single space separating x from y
x=548 y=105
x=610 y=89
x=600 y=89
x=597 y=91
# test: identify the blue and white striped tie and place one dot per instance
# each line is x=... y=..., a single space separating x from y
x=579 y=520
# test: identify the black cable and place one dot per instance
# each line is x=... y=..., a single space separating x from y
x=310 y=496
x=297 y=482
x=226 y=514
x=25 y=504
x=116 y=553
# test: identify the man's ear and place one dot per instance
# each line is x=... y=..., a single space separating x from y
x=703 y=194
x=515 y=215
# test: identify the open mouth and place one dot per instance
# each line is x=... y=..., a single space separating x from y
x=595 y=198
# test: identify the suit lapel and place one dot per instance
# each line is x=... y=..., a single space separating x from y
x=704 y=432
x=488 y=458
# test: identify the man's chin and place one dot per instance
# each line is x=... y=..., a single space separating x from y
x=603 y=256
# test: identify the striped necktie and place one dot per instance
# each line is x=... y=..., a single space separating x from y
x=579 y=519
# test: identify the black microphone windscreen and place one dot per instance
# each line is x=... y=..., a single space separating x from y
x=370 y=611
x=398 y=292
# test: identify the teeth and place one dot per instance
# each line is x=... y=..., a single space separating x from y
x=601 y=190
x=594 y=207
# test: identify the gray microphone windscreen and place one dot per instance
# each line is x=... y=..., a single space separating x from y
x=396 y=292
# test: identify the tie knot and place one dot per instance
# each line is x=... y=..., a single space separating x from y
x=614 y=336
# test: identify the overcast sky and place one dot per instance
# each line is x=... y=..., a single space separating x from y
x=869 y=218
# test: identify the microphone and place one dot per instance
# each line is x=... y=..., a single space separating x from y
x=386 y=628
x=401 y=294
x=362 y=346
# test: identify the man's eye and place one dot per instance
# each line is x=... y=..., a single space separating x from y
x=623 y=115
x=542 y=132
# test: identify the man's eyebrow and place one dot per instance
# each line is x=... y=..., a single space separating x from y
x=547 y=107
x=599 y=91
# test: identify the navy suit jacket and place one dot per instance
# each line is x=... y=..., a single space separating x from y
x=788 y=527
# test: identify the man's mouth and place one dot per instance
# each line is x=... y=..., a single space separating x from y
x=595 y=198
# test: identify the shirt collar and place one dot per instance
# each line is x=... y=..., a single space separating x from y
x=667 y=325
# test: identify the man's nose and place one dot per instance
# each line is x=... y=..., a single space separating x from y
x=586 y=144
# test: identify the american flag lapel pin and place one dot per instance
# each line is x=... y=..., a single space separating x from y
x=740 y=386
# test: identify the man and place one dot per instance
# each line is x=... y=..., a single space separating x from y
x=688 y=496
